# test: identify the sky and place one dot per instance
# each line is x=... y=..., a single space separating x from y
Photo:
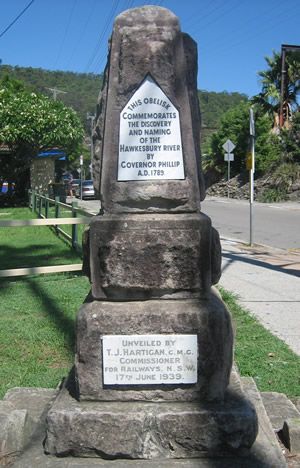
x=233 y=36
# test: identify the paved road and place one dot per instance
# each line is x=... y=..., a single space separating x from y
x=276 y=225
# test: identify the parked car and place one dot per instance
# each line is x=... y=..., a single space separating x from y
x=74 y=185
x=88 y=190
x=6 y=189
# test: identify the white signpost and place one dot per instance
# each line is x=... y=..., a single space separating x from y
x=229 y=156
x=149 y=359
x=251 y=172
x=150 y=144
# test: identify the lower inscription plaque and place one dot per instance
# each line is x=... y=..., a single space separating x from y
x=149 y=359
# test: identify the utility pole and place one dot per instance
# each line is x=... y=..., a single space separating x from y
x=81 y=174
x=91 y=117
x=251 y=167
x=284 y=48
x=55 y=92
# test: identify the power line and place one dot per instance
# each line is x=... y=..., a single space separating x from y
x=191 y=20
x=65 y=34
x=106 y=25
x=243 y=28
x=248 y=37
x=129 y=5
x=83 y=31
x=224 y=13
x=16 y=19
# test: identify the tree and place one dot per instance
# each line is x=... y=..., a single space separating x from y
x=269 y=97
x=235 y=126
x=29 y=123
x=290 y=141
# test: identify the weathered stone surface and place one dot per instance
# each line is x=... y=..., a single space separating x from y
x=279 y=408
x=149 y=430
x=13 y=424
x=266 y=450
x=146 y=41
x=152 y=258
x=34 y=400
x=209 y=319
x=21 y=411
x=264 y=453
x=142 y=256
x=291 y=434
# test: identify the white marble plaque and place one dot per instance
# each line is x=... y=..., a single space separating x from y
x=149 y=359
x=150 y=144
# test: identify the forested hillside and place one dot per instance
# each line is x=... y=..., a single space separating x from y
x=82 y=90
x=212 y=106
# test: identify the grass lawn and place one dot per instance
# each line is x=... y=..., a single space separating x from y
x=31 y=246
x=261 y=355
x=37 y=316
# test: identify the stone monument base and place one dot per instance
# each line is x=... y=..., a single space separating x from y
x=208 y=319
x=207 y=416
x=149 y=430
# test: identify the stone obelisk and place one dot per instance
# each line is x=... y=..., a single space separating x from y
x=154 y=339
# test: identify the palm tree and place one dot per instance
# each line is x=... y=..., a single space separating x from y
x=269 y=97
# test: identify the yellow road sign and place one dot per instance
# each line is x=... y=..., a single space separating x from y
x=249 y=161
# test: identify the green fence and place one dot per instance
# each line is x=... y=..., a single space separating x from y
x=48 y=208
x=49 y=212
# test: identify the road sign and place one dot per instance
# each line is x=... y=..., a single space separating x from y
x=252 y=123
x=228 y=146
x=249 y=161
x=228 y=157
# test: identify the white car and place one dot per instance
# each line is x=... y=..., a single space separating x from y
x=88 y=190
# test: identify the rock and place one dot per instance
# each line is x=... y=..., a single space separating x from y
x=149 y=430
x=21 y=412
x=147 y=41
x=279 y=408
x=154 y=340
x=144 y=257
x=209 y=319
x=266 y=445
x=291 y=434
x=15 y=429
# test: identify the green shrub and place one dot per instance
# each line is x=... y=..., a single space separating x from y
x=272 y=195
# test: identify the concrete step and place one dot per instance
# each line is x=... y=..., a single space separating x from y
x=265 y=452
x=285 y=419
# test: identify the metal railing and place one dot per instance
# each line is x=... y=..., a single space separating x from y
x=45 y=207
x=41 y=205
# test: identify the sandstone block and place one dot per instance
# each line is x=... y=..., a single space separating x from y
x=142 y=257
x=208 y=319
x=291 y=434
x=279 y=408
x=147 y=430
x=148 y=41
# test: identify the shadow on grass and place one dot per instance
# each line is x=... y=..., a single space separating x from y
x=55 y=313
x=51 y=306
x=35 y=255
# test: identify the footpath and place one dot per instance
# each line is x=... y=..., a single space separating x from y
x=267 y=283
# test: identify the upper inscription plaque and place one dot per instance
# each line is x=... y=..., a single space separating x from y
x=150 y=144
